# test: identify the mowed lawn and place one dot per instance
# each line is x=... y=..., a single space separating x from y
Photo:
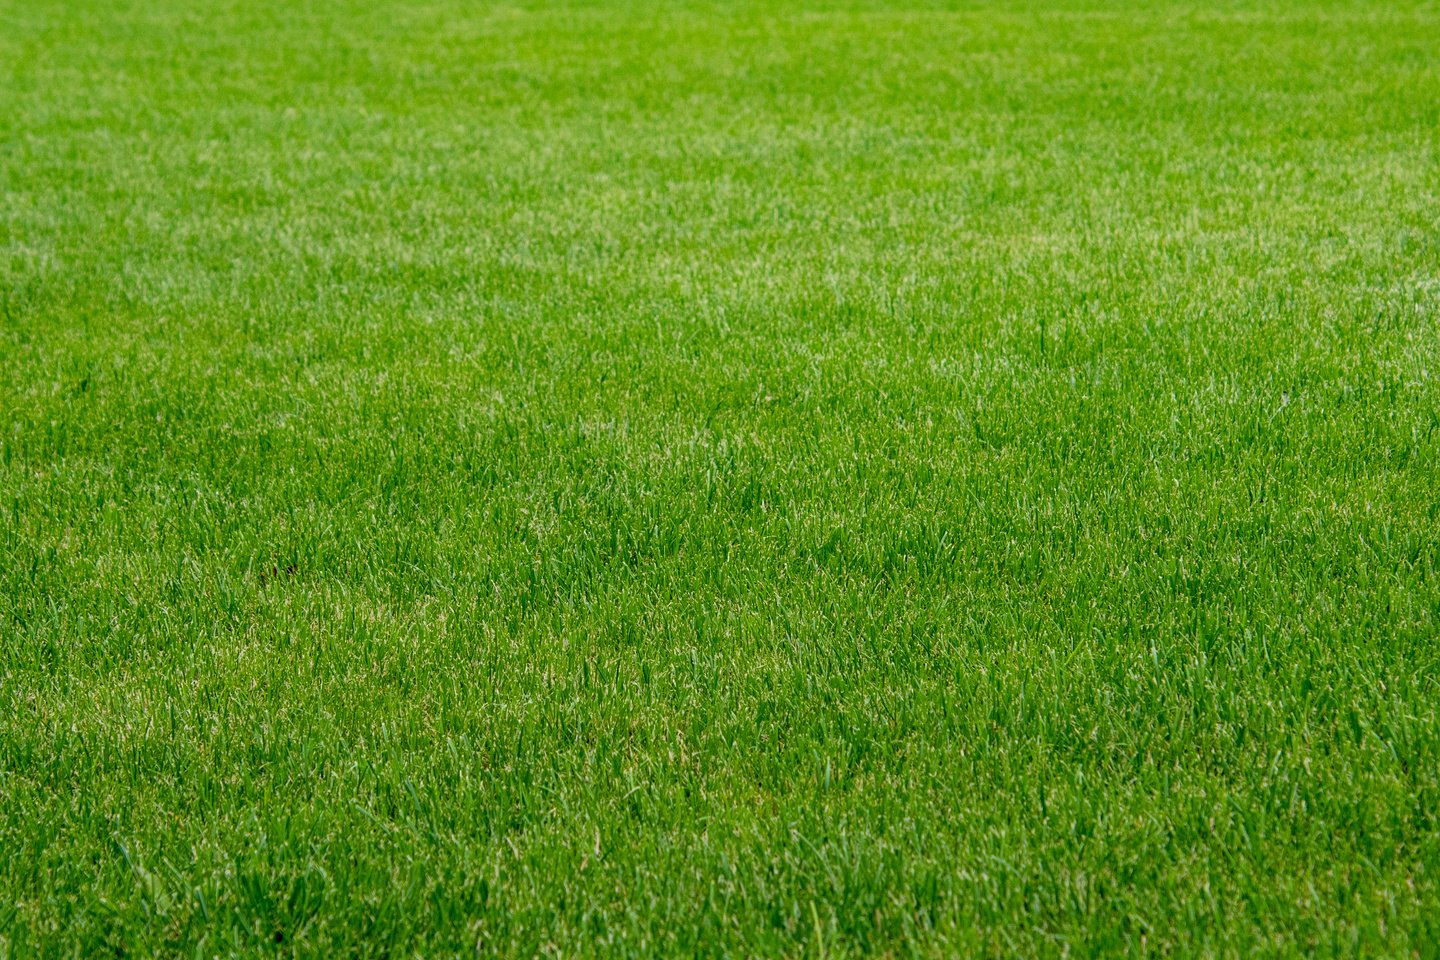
x=699 y=479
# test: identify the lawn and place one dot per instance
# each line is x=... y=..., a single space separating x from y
x=695 y=479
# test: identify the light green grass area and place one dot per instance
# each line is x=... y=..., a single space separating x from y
x=624 y=479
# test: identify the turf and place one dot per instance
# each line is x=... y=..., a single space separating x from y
x=617 y=479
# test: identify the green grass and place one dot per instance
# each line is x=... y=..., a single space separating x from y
x=626 y=479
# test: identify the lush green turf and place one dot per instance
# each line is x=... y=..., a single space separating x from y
x=727 y=480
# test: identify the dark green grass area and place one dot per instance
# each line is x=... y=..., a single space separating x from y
x=702 y=479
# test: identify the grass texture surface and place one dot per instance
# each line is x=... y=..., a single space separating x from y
x=694 y=479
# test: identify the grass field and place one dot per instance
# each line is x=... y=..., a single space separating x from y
x=707 y=479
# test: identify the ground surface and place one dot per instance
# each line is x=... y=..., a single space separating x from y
x=761 y=479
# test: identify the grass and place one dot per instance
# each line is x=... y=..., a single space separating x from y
x=612 y=479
